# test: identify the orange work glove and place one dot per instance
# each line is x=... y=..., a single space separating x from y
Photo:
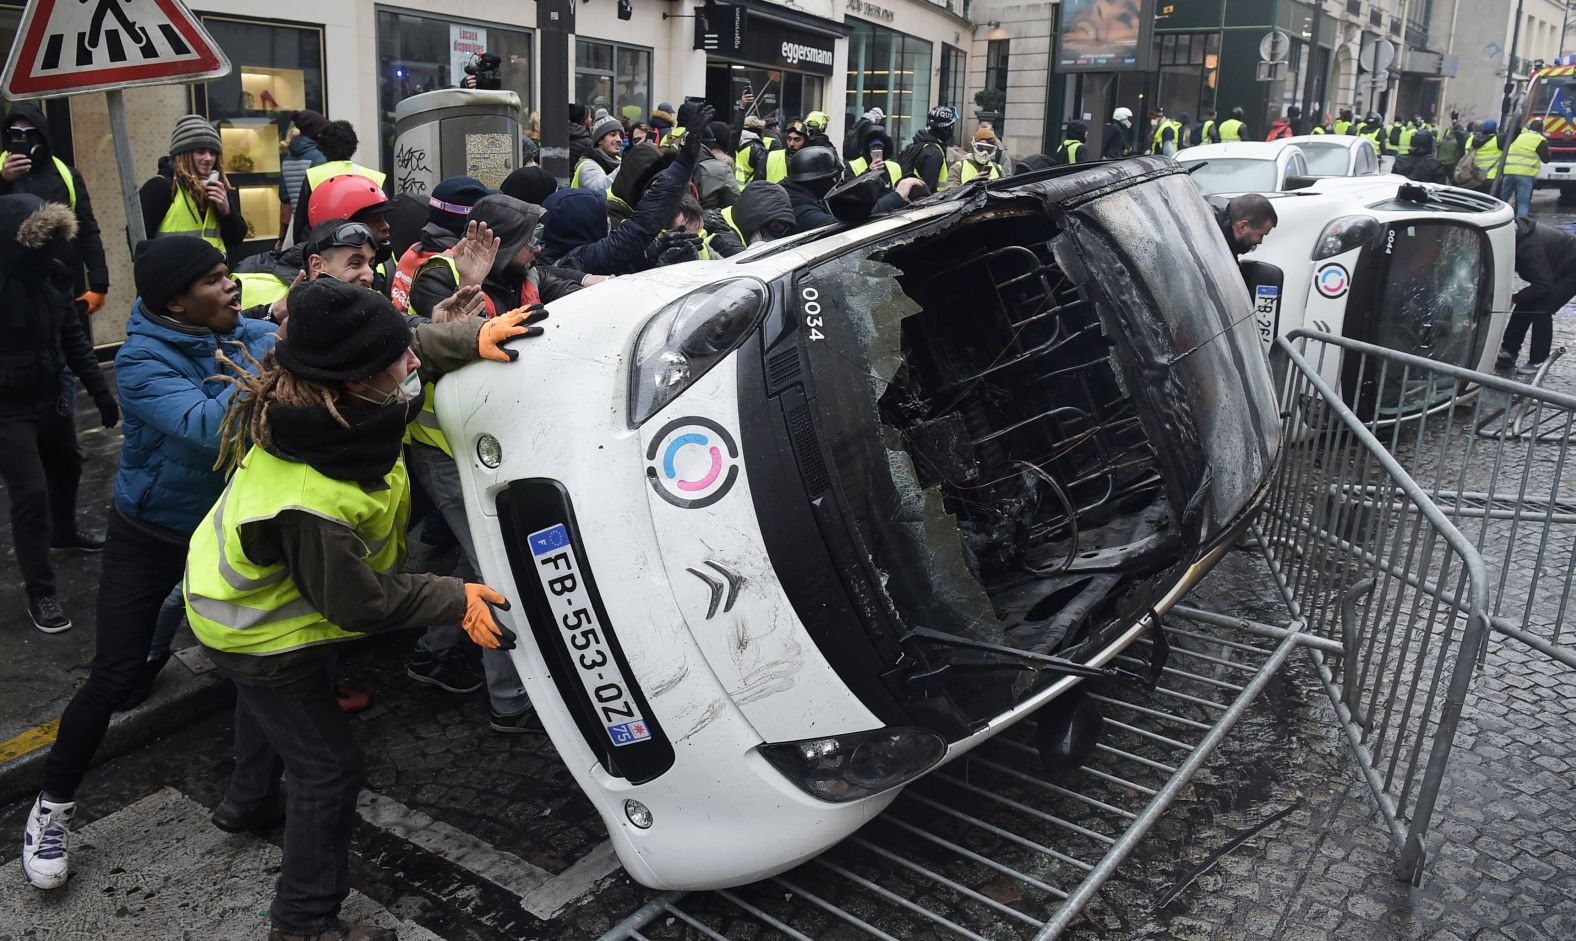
x=505 y=327
x=478 y=622
x=94 y=300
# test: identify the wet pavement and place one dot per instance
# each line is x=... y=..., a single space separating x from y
x=471 y=834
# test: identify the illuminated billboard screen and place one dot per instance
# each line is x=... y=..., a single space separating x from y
x=1104 y=35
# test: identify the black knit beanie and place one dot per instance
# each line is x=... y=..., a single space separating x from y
x=166 y=267
x=338 y=332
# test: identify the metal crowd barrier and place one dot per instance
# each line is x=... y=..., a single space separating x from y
x=1375 y=531
x=1495 y=455
x=1365 y=557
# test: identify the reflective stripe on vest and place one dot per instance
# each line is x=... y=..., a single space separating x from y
x=236 y=605
x=404 y=274
x=1231 y=130
x=259 y=287
x=71 y=185
x=1522 y=159
x=182 y=219
x=777 y=166
x=1487 y=158
x=324 y=171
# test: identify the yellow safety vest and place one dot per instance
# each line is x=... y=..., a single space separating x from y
x=1342 y=126
x=236 y=605
x=968 y=171
x=1522 y=159
x=327 y=171
x=1204 y=132
x=182 y=219
x=1487 y=157
x=259 y=287
x=1231 y=130
x=1317 y=129
x=859 y=165
x=1176 y=137
x=743 y=170
x=425 y=429
x=574 y=178
x=65 y=177
x=1405 y=142
x=727 y=217
x=777 y=166
x=1069 y=150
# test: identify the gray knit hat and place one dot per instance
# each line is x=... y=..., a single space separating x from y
x=193 y=132
x=605 y=127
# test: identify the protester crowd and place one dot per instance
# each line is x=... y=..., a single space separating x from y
x=284 y=484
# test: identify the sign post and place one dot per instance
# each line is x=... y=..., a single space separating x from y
x=68 y=47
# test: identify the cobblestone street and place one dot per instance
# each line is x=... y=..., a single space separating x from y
x=472 y=835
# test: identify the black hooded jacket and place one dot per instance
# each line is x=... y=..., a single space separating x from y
x=580 y=143
x=1545 y=254
x=44 y=181
x=759 y=203
x=929 y=157
x=809 y=209
x=43 y=334
x=513 y=223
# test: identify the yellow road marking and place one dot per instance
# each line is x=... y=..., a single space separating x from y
x=31 y=740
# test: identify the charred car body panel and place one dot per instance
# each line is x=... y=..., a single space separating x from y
x=1008 y=427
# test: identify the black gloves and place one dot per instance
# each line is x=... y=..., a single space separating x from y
x=673 y=246
x=694 y=114
x=109 y=409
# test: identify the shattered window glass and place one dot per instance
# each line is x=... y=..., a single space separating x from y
x=1436 y=291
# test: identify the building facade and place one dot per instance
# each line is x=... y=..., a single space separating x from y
x=357 y=59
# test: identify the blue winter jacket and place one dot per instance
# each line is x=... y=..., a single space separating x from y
x=171 y=412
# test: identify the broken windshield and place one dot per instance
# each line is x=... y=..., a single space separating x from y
x=1055 y=447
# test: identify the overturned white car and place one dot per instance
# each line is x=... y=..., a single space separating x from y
x=793 y=529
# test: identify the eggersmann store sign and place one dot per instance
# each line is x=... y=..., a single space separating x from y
x=775 y=43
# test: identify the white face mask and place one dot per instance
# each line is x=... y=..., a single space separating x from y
x=407 y=389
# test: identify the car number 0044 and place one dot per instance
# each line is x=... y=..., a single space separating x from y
x=569 y=600
x=812 y=312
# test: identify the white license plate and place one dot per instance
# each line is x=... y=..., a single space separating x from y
x=570 y=603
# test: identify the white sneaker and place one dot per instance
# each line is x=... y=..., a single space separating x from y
x=45 y=862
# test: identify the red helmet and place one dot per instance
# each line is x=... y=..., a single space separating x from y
x=347 y=196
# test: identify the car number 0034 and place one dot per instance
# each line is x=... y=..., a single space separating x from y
x=812 y=312
x=569 y=600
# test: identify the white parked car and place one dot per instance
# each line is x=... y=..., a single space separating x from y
x=1419 y=268
x=1243 y=166
x=1337 y=154
x=792 y=529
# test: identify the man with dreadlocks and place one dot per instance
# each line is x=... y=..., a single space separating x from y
x=301 y=552
x=187 y=310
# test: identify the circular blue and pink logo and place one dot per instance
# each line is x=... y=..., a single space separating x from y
x=1332 y=280
x=692 y=462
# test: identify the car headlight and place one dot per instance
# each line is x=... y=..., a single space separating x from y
x=841 y=768
x=1343 y=235
x=686 y=338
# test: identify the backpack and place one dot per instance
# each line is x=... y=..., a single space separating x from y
x=908 y=159
x=1468 y=173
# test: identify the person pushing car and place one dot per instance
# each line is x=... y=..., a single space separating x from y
x=301 y=553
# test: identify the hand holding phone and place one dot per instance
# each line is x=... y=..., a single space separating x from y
x=218 y=196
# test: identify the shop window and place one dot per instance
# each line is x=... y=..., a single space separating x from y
x=1187 y=72
x=277 y=69
x=890 y=70
x=997 y=55
x=418 y=54
x=615 y=77
x=953 y=65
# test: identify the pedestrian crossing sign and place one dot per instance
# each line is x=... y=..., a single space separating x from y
x=65 y=47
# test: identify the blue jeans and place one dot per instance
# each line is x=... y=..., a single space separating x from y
x=1516 y=189
x=440 y=477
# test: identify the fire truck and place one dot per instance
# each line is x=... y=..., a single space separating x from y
x=1551 y=95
